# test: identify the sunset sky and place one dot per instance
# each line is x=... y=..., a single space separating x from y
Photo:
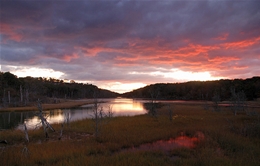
x=124 y=45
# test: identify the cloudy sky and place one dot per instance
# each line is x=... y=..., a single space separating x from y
x=123 y=45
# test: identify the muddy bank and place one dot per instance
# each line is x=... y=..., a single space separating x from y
x=64 y=104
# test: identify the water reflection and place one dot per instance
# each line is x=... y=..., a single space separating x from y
x=120 y=107
x=126 y=107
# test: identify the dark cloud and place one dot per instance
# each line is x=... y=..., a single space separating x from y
x=129 y=41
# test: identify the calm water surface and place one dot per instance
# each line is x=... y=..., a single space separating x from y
x=119 y=107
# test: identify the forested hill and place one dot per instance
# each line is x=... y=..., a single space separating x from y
x=29 y=89
x=200 y=90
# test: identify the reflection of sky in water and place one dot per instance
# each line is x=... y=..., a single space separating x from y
x=119 y=106
x=126 y=107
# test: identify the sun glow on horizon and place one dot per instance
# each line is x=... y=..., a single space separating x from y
x=186 y=75
x=159 y=75
x=178 y=75
x=122 y=87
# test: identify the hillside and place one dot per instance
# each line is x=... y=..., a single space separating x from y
x=16 y=91
x=200 y=90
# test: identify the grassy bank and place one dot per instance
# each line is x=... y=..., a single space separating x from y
x=62 y=104
x=229 y=140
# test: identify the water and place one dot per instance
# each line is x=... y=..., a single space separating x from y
x=119 y=107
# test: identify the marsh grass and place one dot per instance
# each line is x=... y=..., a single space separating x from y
x=225 y=140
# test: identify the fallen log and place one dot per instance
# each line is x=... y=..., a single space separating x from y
x=3 y=142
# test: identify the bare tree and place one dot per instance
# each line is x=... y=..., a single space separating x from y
x=26 y=133
x=25 y=150
x=26 y=101
x=21 y=93
x=67 y=118
x=45 y=123
x=99 y=114
x=4 y=100
x=61 y=131
x=96 y=116
x=110 y=112
x=9 y=98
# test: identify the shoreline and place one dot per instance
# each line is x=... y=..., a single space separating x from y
x=64 y=104
x=80 y=102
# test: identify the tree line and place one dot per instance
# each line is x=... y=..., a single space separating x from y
x=16 y=91
x=200 y=90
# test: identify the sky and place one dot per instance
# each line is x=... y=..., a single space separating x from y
x=124 y=45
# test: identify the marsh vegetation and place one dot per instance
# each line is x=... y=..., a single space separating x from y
x=227 y=140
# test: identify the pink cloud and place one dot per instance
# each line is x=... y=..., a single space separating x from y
x=109 y=40
x=10 y=32
x=68 y=58
x=223 y=36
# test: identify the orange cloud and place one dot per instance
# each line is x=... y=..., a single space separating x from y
x=193 y=49
x=221 y=59
x=241 y=44
x=128 y=59
x=190 y=57
x=240 y=67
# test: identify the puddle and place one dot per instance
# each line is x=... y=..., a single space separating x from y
x=167 y=145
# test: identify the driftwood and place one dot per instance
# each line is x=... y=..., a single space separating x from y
x=48 y=125
x=3 y=142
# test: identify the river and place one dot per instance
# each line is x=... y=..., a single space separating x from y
x=119 y=107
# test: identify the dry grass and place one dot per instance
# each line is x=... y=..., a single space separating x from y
x=229 y=140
